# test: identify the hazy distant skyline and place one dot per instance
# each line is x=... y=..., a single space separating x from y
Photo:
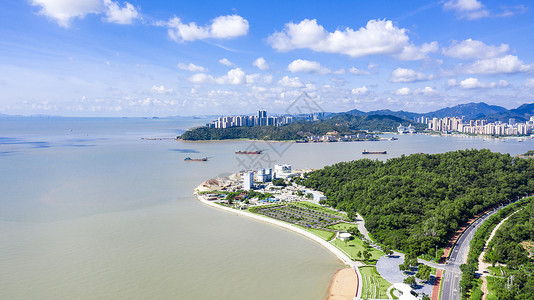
x=162 y=58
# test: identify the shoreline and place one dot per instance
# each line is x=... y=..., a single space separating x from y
x=337 y=288
x=337 y=252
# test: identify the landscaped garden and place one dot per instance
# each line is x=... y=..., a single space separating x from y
x=357 y=250
x=303 y=214
x=374 y=286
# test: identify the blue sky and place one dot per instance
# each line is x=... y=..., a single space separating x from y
x=163 y=58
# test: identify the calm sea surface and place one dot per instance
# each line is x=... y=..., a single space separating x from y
x=90 y=210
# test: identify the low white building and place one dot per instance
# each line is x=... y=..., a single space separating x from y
x=345 y=236
x=317 y=196
x=283 y=171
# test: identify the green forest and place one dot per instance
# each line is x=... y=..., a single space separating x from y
x=413 y=203
x=343 y=124
x=513 y=245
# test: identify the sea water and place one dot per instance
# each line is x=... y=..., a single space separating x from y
x=91 y=209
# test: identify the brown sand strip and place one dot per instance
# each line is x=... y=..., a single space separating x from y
x=344 y=285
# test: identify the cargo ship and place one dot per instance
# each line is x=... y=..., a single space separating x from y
x=195 y=159
x=248 y=152
x=374 y=152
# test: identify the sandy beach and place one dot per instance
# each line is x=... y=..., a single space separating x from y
x=344 y=285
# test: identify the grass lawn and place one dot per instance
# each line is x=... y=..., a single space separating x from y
x=342 y=226
x=374 y=286
x=325 y=235
x=354 y=245
x=319 y=208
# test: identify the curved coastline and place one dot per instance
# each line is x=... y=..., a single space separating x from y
x=334 y=250
x=338 y=253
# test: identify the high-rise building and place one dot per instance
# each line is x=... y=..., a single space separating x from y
x=248 y=180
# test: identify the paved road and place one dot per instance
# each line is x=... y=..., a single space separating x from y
x=451 y=280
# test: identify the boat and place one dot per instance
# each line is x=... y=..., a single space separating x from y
x=393 y=138
x=248 y=152
x=374 y=152
x=195 y=159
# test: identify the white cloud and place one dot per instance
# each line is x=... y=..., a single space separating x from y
x=473 y=49
x=234 y=77
x=377 y=37
x=191 y=67
x=62 y=11
x=161 y=90
x=407 y=75
x=499 y=65
x=360 y=91
x=357 y=71
x=260 y=63
x=529 y=83
x=120 y=15
x=201 y=78
x=473 y=83
x=226 y=62
x=452 y=82
x=425 y=91
x=412 y=52
x=306 y=66
x=223 y=27
x=467 y=9
x=291 y=82
x=403 y=91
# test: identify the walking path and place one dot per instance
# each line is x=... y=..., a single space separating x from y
x=483 y=267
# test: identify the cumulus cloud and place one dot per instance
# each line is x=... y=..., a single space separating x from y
x=234 y=77
x=498 y=65
x=467 y=9
x=473 y=49
x=260 y=63
x=360 y=91
x=223 y=27
x=161 y=90
x=291 y=82
x=377 y=37
x=226 y=62
x=191 y=67
x=306 y=66
x=407 y=75
x=120 y=15
x=412 y=52
x=403 y=91
x=425 y=91
x=474 y=83
x=63 y=11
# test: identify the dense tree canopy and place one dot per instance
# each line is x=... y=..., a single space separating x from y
x=415 y=202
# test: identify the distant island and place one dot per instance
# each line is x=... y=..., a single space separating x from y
x=346 y=126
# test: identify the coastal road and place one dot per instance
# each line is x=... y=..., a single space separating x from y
x=451 y=280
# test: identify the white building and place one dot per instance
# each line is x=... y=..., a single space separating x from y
x=264 y=175
x=282 y=171
x=248 y=180
x=317 y=196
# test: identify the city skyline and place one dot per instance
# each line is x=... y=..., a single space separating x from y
x=138 y=58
